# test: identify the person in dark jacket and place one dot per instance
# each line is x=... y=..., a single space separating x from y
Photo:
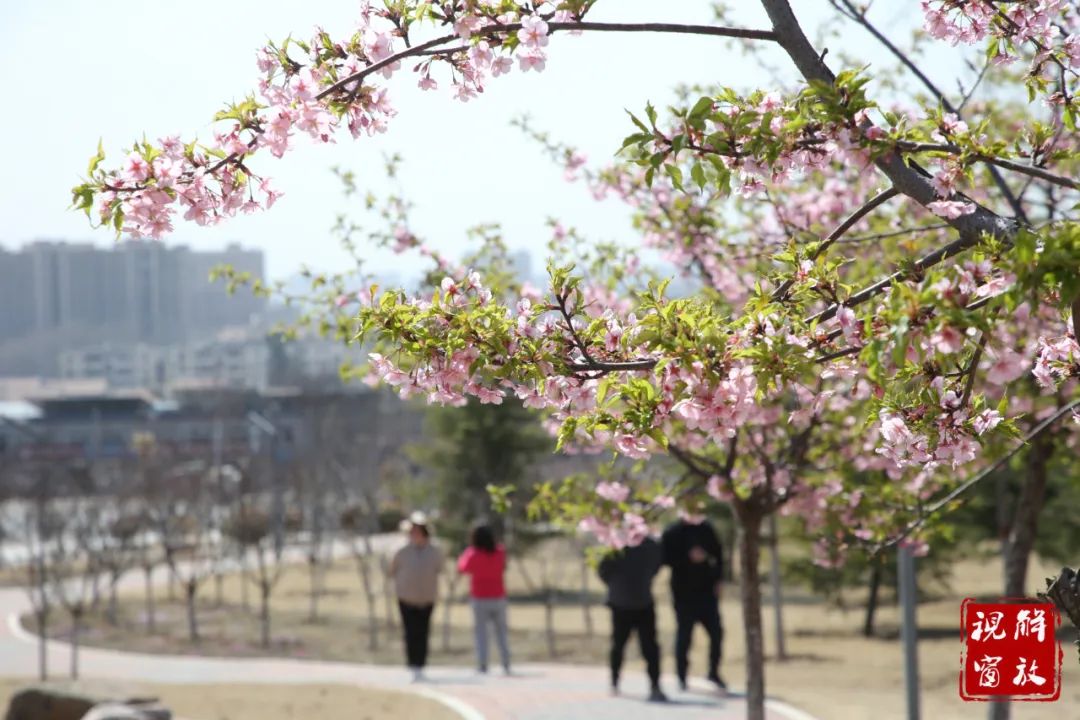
x=692 y=551
x=628 y=575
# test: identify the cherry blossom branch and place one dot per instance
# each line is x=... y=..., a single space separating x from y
x=893 y=233
x=1076 y=318
x=590 y=363
x=907 y=180
x=616 y=366
x=1030 y=170
x=694 y=462
x=972 y=368
x=925 y=262
x=872 y=204
x=853 y=349
x=979 y=477
x=860 y=18
x=497 y=29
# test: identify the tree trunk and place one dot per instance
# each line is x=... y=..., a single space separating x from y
x=148 y=582
x=1065 y=592
x=76 y=629
x=219 y=587
x=388 y=593
x=43 y=643
x=448 y=605
x=549 y=621
x=777 y=591
x=313 y=579
x=586 y=598
x=750 y=588
x=872 y=599
x=244 y=600
x=371 y=600
x=172 y=587
x=264 y=611
x=111 y=613
x=95 y=590
x=193 y=621
x=1022 y=534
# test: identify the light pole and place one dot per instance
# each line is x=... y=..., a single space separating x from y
x=908 y=628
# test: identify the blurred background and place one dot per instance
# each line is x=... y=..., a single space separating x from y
x=177 y=479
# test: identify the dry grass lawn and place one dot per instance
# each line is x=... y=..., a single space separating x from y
x=833 y=672
x=270 y=702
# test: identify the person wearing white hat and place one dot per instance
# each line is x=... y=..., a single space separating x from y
x=415 y=569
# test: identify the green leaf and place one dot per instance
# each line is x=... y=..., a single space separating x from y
x=675 y=174
x=701 y=108
x=96 y=159
x=650 y=112
x=644 y=128
x=697 y=174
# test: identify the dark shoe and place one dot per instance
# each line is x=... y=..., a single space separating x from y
x=656 y=695
x=718 y=682
x=682 y=684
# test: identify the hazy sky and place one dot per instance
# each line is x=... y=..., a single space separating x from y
x=115 y=69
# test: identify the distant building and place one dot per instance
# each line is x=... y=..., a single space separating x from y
x=59 y=296
x=522 y=264
x=237 y=358
x=200 y=425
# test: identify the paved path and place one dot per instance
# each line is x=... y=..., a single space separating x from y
x=536 y=692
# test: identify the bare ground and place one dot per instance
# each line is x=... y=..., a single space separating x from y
x=833 y=672
x=269 y=702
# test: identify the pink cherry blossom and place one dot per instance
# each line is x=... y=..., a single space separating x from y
x=533 y=32
x=1006 y=365
x=950 y=209
x=613 y=491
x=947 y=339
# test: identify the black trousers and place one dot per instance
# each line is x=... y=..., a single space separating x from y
x=416 y=619
x=625 y=621
x=689 y=612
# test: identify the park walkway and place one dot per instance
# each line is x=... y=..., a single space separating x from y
x=535 y=692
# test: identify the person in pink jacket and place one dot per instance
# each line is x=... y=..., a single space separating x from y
x=484 y=561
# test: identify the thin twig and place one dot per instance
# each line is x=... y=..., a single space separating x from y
x=498 y=29
x=1031 y=170
x=860 y=18
x=979 y=477
x=849 y=222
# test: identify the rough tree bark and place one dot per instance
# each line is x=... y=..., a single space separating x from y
x=448 y=606
x=363 y=558
x=750 y=589
x=148 y=582
x=872 y=599
x=190 y=590
x=388 y=593
x=111 y=611
x=264 y=611
x=586 y=597
x=777 y=590
x=314 y=587
x=1022 y=534
x=76 y=633
x=219 y=586
x=39 y=599
x=42 y=616
x=1064 y=591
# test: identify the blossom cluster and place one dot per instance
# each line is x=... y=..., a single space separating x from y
x=313 y=88
x=1050 y=27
